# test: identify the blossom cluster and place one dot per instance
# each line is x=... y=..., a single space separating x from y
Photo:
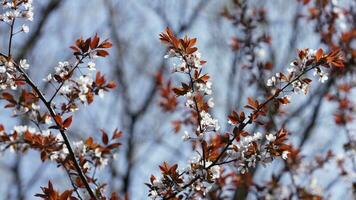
x=33 y=105
x=297 y=67
x=205 y=169
x=174 y=180
x=308 y=59
x=200 y=175
x=199 y=88
x=9 y=77
x=27 y=104
x=8 y=74
x=52 y=147
x=84 y=86
x=252 y=149
x=241 y=148
x=17 y=9
x=79 y=87
x=93 y=153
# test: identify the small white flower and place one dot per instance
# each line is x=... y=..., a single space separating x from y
x=186 y=136
x=66 y=89
x=323 y=78
x=322 y=75
x=209 y=84
x=189 y=103
x=311 y=52
x=2 y=69
x=261 y=54
x=24 y=28
x=20 y=129
x=86 y=165
x=285 y=155
x=294 y=64
x=103 y=162
x=97 y=152
x=271 y=81
x=48 y=78
x=271 y=137
x=59 y=137
x=211 y=103
x=215 y=171
x=35 y=107
x=153 y=194
x=53 y=156
x=48 y=120
x=24 y=64
x=83 y=98
x=91 y=66
x=257 y=136
x=291 y=70
x=28 y=15
x=170 y=53
x=101 y=93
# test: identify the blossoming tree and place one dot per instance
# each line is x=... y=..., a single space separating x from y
x=225 y=159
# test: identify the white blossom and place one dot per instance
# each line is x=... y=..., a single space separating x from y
x=48 y=120
x=48 y=78
x=271 y=137
x=208 y=122
x=86 y=165
x=66 y=89
x=272 y=81
x=35 y=106
x=24 y=28
x=211 y=103
x=91 y=66
x=2 y=69
x=285 y=155
x=186 y=136
x=322 y=75
x=101 y=93
x=215 y=170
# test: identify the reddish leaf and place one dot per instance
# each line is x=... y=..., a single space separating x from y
x=99 y=79
x=179 y=91
x=319 y=54
x=94 y=43
x=113 y=145
x=191 y=50
x=89 y=141
x=7 y=96
x=66 y=195
x=106 y=44
x=252 y=103
x=27 y=136
x=67 y=122
x=43 y=156
x=102 y=53
x=75 y=49
x=104 y=137
x=111 y=85
x=117 y=134
x=58 y=119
